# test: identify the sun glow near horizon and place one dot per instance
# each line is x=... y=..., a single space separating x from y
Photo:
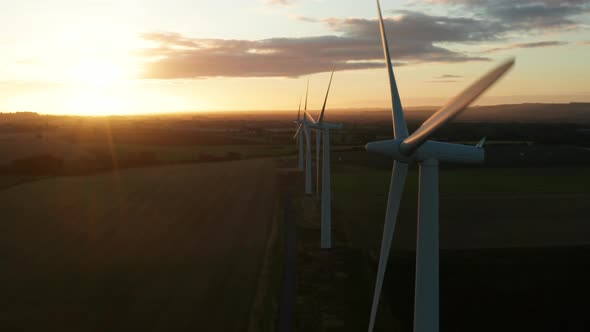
x=134 y=57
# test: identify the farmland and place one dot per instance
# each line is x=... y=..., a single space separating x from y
x=514 y=244
x=164 y=223
x=153 y=249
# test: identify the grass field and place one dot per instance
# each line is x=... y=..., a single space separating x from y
x=176 y=248
x=515 y=245
x=480 y=207
x=76 y=155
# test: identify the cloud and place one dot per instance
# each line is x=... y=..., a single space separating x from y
x=525 y=45
x=524 y=14
x=414 y=38
x=305 y=19
x=447 y=76
x=279 y=2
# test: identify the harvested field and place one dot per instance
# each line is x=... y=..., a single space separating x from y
x=172 y=248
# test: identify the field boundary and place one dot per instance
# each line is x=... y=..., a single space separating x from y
x=25 y=179
x=265 y=306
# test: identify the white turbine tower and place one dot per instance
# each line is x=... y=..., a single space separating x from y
x=318 y=139
x=303 y=124
x=324 y=127
x=405 y=149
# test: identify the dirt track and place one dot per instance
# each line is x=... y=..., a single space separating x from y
x=157 y=249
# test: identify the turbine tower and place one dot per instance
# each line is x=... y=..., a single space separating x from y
x=318 y=139
x=303 y=124
x=405 y=149
x=324 y=127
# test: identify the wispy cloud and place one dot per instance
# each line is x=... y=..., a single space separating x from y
x=447 y=76
x=441 y=81
x=525 y=45
x=279 y=2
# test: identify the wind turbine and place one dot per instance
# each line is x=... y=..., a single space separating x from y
x=299 y=140
x=405 y=149
x=303 y=125
x=324 y=127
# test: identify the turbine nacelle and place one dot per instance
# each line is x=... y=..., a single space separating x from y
x=429 y=150
x=326 y=125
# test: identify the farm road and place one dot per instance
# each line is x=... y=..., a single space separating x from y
x=174 y=248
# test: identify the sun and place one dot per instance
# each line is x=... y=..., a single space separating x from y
x=97 y=73
x=95 y=103
x=97 y=87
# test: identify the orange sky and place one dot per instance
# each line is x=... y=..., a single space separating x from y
x=147 y=56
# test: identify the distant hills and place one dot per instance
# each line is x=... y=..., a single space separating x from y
x=575 y=113
x=570 y=113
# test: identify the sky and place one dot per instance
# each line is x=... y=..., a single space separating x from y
x=147 y=56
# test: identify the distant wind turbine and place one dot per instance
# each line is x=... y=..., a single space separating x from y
x=324 y=127
x=303 y=125
x=405 y=149
x=299 y=140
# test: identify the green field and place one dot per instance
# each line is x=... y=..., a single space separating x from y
x=513 y=240
x=175 y=248
x=175 y=154
x=480 y=207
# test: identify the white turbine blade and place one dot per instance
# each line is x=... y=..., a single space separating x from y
x=326 y=99
x=298 y=130
x=481 y=143
x=306 y=93
x=400 y=129
x=309 y=119
x=453 y=108
x=396 y=188
x=299 y=111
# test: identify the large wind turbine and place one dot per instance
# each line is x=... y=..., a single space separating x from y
x=324 y=127
x=303 y=124
x=405 y=149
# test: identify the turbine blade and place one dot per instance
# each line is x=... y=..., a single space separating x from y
x=481 y=143
x=400 y=129
x=298 y=130
x=299 y=111
x=453 y=108
x=308 y=118
x=396 y=188
x=306 y=93
x=326 y=99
